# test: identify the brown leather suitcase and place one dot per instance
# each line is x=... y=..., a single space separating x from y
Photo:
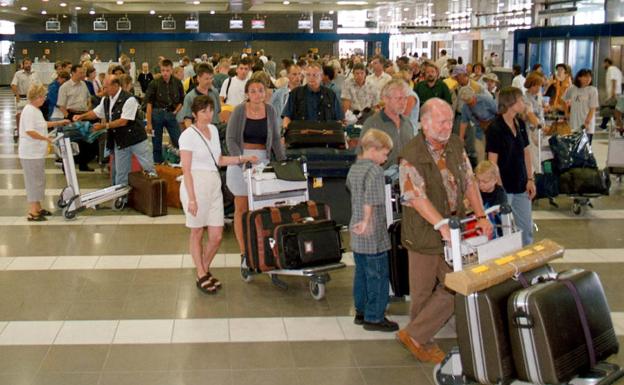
x=148 y=194
x=170 y=175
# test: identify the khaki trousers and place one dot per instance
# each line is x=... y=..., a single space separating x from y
x=432 y=303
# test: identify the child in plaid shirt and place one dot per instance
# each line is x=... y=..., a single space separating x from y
x=370 y=241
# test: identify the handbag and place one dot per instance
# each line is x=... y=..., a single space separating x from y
x=290 y=170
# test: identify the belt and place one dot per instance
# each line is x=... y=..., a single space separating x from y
x=168 y=109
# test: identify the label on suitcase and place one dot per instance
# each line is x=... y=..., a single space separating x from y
x=548 y=338
x=304 y=133
x=307 y=244
x=148 y=194
x=259 y=226
x=482 y=331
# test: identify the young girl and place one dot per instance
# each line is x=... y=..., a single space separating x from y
x=492 y=193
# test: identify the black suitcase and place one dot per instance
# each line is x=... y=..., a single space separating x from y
x=307 y=244
x=306 y=133
x=583 y=181
x=550 y=342
x=259 y=226
x=399 y=262
x=322 y=154
x=482 y=332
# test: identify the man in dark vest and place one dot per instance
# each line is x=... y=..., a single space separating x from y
x=435 y=177
x=118 y=114
x=312 y=101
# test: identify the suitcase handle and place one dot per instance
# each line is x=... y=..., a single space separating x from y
x=522 y=320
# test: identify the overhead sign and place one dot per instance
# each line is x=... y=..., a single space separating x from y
x=326 y=24
x=236 y=24
x=304 y=24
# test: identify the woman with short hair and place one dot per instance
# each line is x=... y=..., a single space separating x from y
x=582 y=103
x=32 y=149
x=507 y=146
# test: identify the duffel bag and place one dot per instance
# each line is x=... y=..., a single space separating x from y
x=305 y=133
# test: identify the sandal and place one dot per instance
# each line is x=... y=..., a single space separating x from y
x=215 y=282
x=205 y=285
x=44 y=212
x=36 y=218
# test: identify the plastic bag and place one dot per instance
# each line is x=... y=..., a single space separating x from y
x=572 y=151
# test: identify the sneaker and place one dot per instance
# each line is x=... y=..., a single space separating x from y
x=384 y=326
x=359 y=318
x=432 y=353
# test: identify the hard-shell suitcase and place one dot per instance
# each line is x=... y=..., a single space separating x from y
x=307 y=244
x=399 y=262
x=170 y=175
x=259 y=226
x=148 y=194
x=615 y=155
x=322 y=154
x=560 y=328
x=482 y=332
x=305 y=133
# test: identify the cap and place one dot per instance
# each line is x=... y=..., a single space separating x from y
x=459 y=70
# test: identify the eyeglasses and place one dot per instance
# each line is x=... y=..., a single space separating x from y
x=314 y=75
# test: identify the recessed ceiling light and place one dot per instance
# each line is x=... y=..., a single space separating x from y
x=77 y=8
x=120 y=2
x=212 y=12
x=406 y=9
x=3 y=4
x=501 y=4
x=45 y=1
x=350 y=2
x=331 y=12
x=92 y=12
x=432 y=15
x=285 y=2
x=63 y=4
x=44 y=12
x=447 y=12
x=430 y=5
x=24 y=8
x=196 y=2
x=152 y=12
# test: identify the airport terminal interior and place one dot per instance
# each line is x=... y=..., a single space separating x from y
x=109 y=297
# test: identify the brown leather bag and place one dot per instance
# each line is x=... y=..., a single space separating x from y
x=148 y=194
x=170 y=175
x=560 y=127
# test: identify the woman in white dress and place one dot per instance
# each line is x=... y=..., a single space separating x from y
x=200 y=192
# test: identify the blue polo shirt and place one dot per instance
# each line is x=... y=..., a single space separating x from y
x=313 y=100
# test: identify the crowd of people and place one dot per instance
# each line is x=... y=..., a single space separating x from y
x=426 y=124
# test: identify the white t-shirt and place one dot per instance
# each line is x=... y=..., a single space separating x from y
x=581 y=100
x=236 y=94
x=614 y=73
x=32 y=120
x=518 y=82
x=128 y=110
x=190 y=140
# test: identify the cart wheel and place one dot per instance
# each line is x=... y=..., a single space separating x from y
x=577 y=208
x=119 y=203
x=69 y=214
x=246 y=275
x=60 y=203
x=317 y=290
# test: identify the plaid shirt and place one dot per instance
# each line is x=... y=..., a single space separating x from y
x=366 y=183
x=413 y=184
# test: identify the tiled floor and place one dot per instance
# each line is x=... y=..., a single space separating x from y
x=110 y=298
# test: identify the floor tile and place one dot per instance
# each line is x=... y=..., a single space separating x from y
x=137 y=378
x=31 y=263
x=330 y=376
x=257 y=329
x=322 y=354
x=265 y=377
x=313 y=329
x=199 y=331
x=86 y=332
x=212 y=377
x=30 y=333
x=16 y=378
x=381 y=353
x=260 y=355
x=46 y=378
x=160 y=261
x=88 y=358
x=143 y=331
x=199 y=356
x=118 y=262
x=399 y=376
x=22 y=359
x=123 y=358
x=74 y=263
x=5 y=261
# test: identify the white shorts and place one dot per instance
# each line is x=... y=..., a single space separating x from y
x=207 y=185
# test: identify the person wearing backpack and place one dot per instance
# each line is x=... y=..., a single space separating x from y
x=233 y=89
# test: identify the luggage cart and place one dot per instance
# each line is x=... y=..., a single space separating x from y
x=263 y=192
x=615 y=153
x=459 y=252
x=71 y=200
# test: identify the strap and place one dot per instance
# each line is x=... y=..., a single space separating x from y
x=584 y=323
x=208 y=146
x=276 y=215
x=523 y=281
x=227 y=90
x=313 y=209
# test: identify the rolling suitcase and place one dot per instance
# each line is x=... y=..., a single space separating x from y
x=306 y=133
x=399 y=262
x=259 y=226
x=148 y=194
x=307 y=244
x=481 y=322
x=170 y=175
x=560 y=328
